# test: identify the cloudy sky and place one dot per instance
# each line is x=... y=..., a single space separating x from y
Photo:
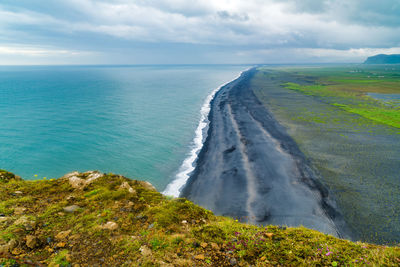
x=196 y=31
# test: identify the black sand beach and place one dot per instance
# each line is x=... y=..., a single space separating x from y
x=252 y=170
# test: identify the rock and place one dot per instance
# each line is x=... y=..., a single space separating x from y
x=145 y=251
x=184 y=222
x=71 y=209
x=92 y=175
x=147 y=185
x=269 y=235
x=110 y=226
x=77 y=181
x=199 y=257
x=31 y=241
x=18 y=193
x=125 y=185
x=203 y=245
x=4 y=249
x=150 y=226
x=233 y=262
x=61 y=244
x=214 y=246
x=62 y=235
x=19 y=210
x=26 y=222
x=71 y=198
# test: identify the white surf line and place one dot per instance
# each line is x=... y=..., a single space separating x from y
x=174 y=188
x=251 y=179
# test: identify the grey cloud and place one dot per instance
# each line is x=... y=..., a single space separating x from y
x=233 y=16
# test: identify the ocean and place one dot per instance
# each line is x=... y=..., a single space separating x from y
x=143 y=122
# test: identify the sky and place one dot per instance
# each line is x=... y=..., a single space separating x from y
x=196 y=31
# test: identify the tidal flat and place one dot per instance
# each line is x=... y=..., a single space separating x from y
x=351 y=139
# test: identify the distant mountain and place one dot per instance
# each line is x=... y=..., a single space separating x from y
x=383 y=59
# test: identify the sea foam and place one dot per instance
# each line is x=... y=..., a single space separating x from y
x=188 y=165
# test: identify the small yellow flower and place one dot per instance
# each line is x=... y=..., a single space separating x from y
x=52 y=179
x=35 y=175
x=44 y=178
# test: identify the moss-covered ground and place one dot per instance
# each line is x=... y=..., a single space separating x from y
x=115 y=221
x=356 y=155
x=348 y=88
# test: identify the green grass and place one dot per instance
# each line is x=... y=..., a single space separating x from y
x=353 y=100
x=172 y=231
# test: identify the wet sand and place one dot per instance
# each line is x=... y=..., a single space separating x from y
x=249 y=168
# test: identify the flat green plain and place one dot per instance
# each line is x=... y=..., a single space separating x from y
x=351 y=139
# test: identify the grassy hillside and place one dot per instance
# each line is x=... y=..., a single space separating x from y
x=93 y=219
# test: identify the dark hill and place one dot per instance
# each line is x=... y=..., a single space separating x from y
x=383 y=59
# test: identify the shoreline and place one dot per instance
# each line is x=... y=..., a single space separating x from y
x=249 y=168
x=188 y=165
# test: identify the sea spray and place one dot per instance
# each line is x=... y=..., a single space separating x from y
x=188 y=165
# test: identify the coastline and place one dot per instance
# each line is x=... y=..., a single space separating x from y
x=249 y=168
x=188 y=165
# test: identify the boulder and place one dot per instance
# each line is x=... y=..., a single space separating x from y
x=81 y=180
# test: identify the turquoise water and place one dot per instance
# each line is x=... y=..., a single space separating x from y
x=138 y=121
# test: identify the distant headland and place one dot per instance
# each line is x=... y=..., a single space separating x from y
x=383 y=59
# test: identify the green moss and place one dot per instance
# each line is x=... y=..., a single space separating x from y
x=153 y=230
x=351 y=102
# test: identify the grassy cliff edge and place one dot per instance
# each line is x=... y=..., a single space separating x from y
x=96 y=219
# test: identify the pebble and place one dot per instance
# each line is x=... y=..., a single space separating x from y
x=31 y=241
x=214 y=246
x=203 y=245
x=110 y=226
x=269 y=235
x=233 y=261
x=19 y=210
x=145 y=251
x=71 y=209
x=61 y=244
x=199 y=257
x=63 y=234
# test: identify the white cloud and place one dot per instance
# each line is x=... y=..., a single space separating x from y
x=36 y=51
x=252 y=25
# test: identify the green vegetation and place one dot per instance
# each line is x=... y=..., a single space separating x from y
x=349 y=94
x=86 y=219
